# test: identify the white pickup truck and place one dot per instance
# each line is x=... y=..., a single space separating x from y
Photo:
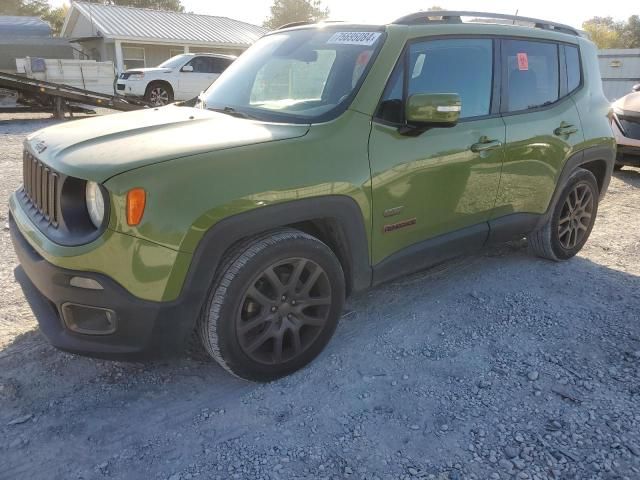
x=181 y=77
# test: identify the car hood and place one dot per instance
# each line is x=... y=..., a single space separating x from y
x=629 y=104
x=101 y=147
x=150 y=70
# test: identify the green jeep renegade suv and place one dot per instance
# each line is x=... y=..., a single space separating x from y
x=328 y=158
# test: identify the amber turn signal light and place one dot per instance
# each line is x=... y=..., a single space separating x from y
x=136 y=201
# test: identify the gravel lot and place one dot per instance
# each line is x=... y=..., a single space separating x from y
x=494 y=366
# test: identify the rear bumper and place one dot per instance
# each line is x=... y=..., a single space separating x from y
x=142 y=328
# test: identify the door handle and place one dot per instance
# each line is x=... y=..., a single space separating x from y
x=565 y=129
x=485 y=144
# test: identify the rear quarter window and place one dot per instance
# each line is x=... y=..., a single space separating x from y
x=574 y=73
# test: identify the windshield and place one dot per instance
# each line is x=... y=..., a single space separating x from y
x=297 y=76
x=174 y=62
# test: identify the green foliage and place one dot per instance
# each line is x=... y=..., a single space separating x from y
x=608 y=33
x=35 y=8
x=631 y=32
x=289 y=11
x=604 y=32
x=55 y=17
x=30 y=8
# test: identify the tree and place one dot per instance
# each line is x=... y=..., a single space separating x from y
x=56 y=17
x=171 y=5
x=607 y=33
x=289 y=11
x=435 y=8
x=31 y=8
x=631 y=32
x=36 y=8
x=604 y=32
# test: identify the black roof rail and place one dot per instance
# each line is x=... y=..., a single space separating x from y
x=446 y=16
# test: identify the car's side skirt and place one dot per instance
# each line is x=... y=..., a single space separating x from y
x=430 y=252
x=436 y=250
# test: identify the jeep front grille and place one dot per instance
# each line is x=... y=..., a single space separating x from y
x=41 y=186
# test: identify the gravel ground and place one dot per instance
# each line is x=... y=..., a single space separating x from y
x=494 y=366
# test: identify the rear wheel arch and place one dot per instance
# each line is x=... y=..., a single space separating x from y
x=599 y=160
x=598 y=168
x=567 y=229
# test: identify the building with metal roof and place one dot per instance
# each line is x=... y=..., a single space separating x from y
x=620 y=70
x=141 y=37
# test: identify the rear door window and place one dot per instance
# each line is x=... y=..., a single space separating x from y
x=531 y=73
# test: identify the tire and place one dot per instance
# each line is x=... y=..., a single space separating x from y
x=159 y=94
x=552 y=241
x=255 y=323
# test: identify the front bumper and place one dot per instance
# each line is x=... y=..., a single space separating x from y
x=131 y=89
x=142 y=328
x=628 y=155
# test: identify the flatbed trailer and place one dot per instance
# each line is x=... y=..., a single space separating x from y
x=43 y=96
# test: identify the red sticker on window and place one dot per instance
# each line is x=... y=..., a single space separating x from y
x=364 y=57
x=523 y=61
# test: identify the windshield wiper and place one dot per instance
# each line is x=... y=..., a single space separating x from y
x=233 y=112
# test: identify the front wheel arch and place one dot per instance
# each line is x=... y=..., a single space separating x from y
x=219 y=239
x=222 y=328
x=159 y=83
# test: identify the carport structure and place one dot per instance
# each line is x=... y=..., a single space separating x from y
x=140 y=37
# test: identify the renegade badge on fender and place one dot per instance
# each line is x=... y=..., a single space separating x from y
x=326 y=159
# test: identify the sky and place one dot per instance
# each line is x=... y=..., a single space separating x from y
x=383 y=11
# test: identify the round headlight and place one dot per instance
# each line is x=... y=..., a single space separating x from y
x=95 y=203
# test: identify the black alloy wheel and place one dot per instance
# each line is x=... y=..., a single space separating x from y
x=283 y=311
